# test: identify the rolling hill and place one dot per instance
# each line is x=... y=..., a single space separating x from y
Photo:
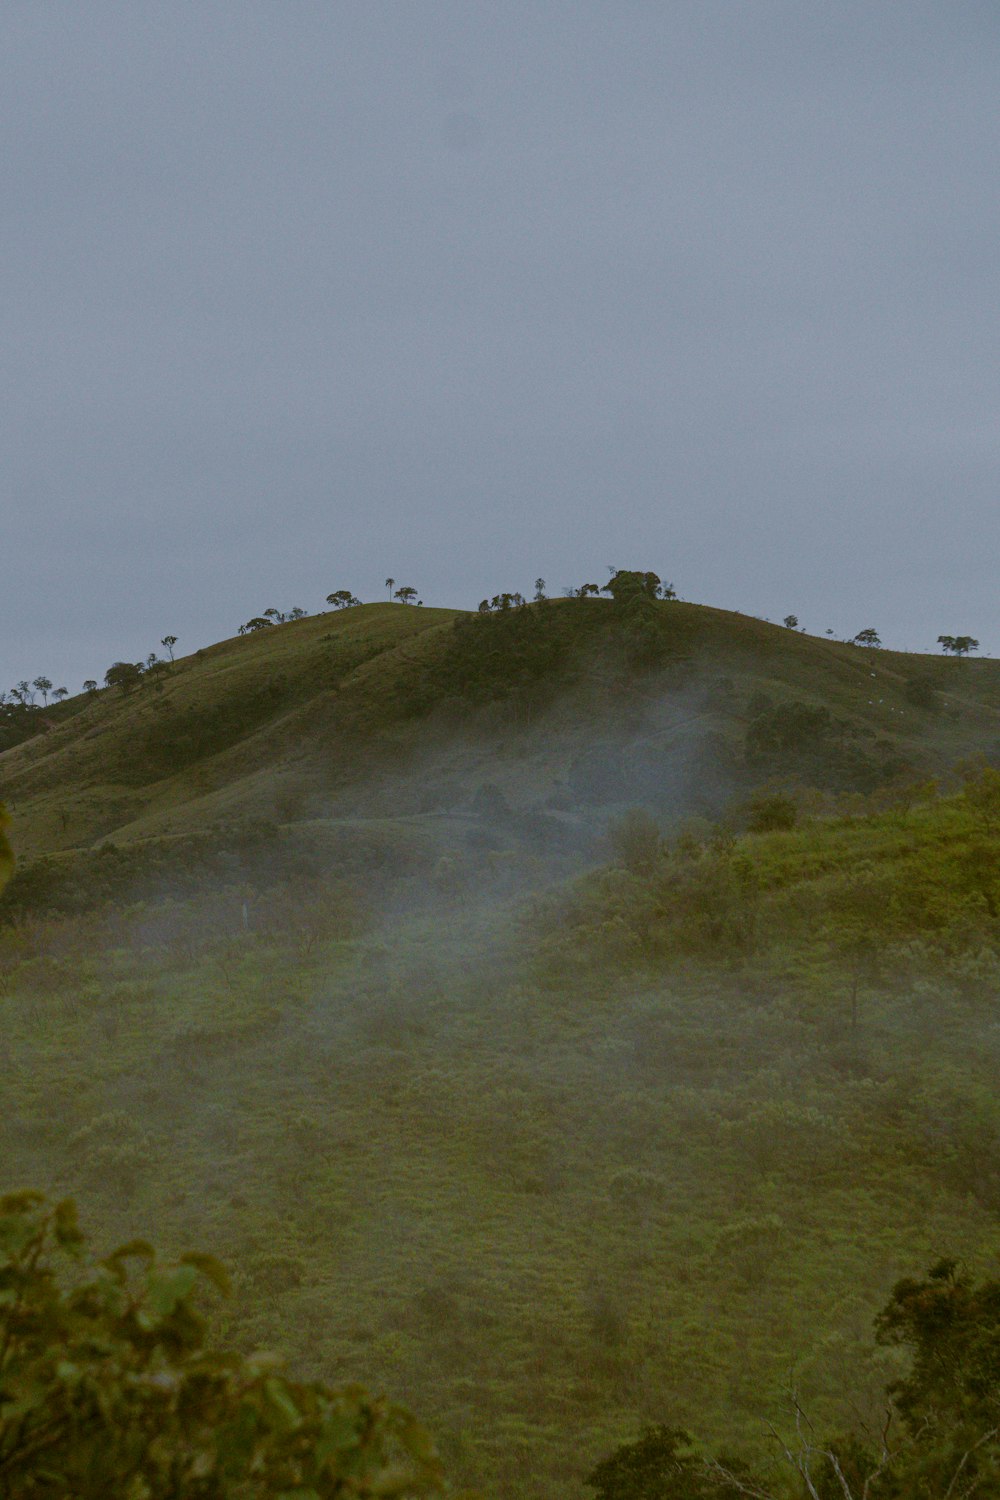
x=342 y=955
x=418 y=722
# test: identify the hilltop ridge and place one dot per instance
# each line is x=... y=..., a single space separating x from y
x=570 y=708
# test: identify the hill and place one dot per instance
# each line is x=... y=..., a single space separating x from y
x=412 y=724
x=418 y=964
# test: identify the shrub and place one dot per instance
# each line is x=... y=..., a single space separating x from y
x=107 y=1387
x=771 y=813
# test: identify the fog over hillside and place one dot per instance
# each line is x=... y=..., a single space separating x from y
x=569 y=1018
x=499 y=751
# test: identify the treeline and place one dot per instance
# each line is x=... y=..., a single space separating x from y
x=625 y=584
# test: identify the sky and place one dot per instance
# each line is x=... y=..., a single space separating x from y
x=300 y=296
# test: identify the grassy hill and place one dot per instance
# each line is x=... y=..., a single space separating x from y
x=547 y=1120
x=573 y=708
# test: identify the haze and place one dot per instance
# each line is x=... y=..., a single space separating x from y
x=298 y=297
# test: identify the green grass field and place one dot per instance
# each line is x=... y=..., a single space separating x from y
x=546 y=1145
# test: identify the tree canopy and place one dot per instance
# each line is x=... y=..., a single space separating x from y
x=958 y=645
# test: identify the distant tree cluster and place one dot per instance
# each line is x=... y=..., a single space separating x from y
x=958 y=645
x=624 y=586
x=24 y=694
x=126 y=676
x=20 y=709
x=501 y=602
x=272 y=616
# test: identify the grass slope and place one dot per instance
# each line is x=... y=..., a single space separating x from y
x=383 y=711
x=547 y=1172
x=545 y=1160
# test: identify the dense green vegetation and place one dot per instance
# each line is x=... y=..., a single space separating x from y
x=555 y=1119
x=108 y=1387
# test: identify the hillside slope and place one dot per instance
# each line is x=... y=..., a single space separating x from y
x=553 y=1158
x=571 y=709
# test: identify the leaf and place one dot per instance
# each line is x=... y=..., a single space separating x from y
x=338 y=1432
x=19 y=1203
x=67 y=1229
x=134 y=1249
x=165 y=1289
x=210 y=1268
x=282 y=1406
x=234 y=1442
x=16 y=1233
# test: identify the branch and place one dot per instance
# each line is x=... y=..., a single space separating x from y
x=752 y=1491
x=965 y=1459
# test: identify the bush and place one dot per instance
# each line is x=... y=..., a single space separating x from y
x=107 y=1387
x=636 y=842
x=771 y=813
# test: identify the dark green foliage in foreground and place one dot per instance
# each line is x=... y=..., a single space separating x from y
x=107 y=1387
x=950 y=1401
x=662 y=1465
x=939 y=1435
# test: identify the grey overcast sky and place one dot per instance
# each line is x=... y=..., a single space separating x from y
x=298 y=295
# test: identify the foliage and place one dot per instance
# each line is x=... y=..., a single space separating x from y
x=550 y=1157
x=770 y=812
x=108 y=1386
x=868 y=637
x=921 y=691
x=939 y=1433
x=958 y=645
x=659 y=1465
x=636 y=842
x=126 y=676
x=788 y=728
x=981 y=794
x=627 y=585
x=342 y=599
x=804 y=739
x=257 y=622
x=501 y=602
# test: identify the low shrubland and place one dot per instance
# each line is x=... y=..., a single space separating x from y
x=549 y=1167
